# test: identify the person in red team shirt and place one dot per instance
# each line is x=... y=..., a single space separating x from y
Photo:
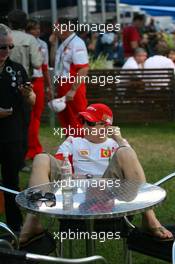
x=71 y=67
x=131 y=35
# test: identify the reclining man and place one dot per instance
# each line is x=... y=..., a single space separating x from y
x=88 y=158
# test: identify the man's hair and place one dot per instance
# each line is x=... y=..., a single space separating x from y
x=139 y=50
x=171 y=50
x=139 y=17
x=4 y=30
x=64 y=20
x=17 y=19
x=31 y=23
x=161 y=49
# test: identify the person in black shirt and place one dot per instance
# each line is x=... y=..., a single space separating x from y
x=15 y=95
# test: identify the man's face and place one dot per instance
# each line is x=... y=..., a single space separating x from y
x=96 y=131
x=171 y=55
x=35 y=31
x=140 y=23
x=140 y=57
x=61 y=31
x=6 y=44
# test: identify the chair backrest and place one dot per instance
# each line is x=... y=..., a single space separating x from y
x=18 y=256
x=9 y=255
x=5 y=244
x=11 y=234
x=173 y=253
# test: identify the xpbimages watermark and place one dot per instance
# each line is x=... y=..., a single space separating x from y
x=102 y=80
x=102 y=132
x=102 y=184
x=78 y=27
x=71 y=235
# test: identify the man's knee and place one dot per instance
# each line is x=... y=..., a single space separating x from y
x=40 y=170
x=127 y=157
x=130 y=164
x=126 y=153
x=41 y=160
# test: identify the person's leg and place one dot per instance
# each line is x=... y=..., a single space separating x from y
x=69 y=117
x=40 y=174
x=34 y=145
x=44 y=168
x=26 y=121
x=131 y=169
x=130 y=165
x=10 y=165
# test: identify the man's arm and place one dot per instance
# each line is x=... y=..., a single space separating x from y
x=35 y=54
x=45 y=70
x=81 y=62
x=81 y=74
x=48 y=83
x=114 y=133
x=134 y=38
x=53 y=47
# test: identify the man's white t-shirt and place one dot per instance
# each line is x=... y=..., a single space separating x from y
x=131 y=63
x=45 y=54
x=26 y=50
x=159 y=61
x=88 y=157
x=72 y=53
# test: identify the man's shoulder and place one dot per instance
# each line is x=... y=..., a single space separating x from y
x=130 y=64
x=19 y=33
x=129 y=28
x=130 y=60
x=22 y=36
x=15 y=65
x=42 y=43
x=75 y=140
x=150 y=60
x=78 y=41
x=158 y=61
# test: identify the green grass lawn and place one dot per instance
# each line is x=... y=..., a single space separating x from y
x=155 y=146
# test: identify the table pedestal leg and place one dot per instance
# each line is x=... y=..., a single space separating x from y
x=90 y=243
x=127 y=254
x=70 y=248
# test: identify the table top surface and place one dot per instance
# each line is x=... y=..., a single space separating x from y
x=93 y=198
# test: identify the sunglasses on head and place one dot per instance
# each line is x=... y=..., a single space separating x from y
x=92 y=124
x=38 y=198
x=4 y=47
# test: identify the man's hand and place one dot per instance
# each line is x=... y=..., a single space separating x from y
x=113 y=131
x=53 y=38
x=70 y=95
x=27 y=92
x=26 y=89
x=49 y=95
x=78 y=80
x=4 y=114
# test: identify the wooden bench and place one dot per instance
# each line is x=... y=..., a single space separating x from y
x=141 y=95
